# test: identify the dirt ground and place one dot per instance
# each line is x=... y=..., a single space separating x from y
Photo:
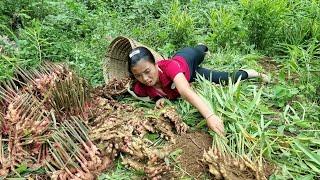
x=193 y=144
x=268 y=64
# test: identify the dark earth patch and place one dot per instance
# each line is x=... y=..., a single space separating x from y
x=193 y=144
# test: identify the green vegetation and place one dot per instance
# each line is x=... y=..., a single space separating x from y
x=280 y=121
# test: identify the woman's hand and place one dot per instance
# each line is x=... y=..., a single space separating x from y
x=160 y=103
x=216 y=124
x=213 y=121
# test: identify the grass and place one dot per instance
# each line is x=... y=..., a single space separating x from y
x=281 y=118
x=121 y=173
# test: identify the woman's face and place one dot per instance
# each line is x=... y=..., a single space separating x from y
x=146 y=72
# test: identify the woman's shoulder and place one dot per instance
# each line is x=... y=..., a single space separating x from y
x=168 y=63
x=171 y=67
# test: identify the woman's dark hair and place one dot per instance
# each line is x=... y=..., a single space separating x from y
x=138 y=54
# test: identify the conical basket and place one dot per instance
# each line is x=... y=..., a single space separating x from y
x=116 y=60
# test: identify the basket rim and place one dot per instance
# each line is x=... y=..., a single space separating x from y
x=117 y=63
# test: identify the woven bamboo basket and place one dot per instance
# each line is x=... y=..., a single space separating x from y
x=116 y=60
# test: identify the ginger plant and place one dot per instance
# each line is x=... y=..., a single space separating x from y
x=51 y=119
x=234 y=159
x=74 y=155
x=30 y=114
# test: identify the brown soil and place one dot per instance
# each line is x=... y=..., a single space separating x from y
x=193 y=144
x=271 y=66
x=268 y=64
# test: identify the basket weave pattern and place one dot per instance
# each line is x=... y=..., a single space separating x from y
x=115 y=65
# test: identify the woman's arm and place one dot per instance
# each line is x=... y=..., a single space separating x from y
x=213 y=121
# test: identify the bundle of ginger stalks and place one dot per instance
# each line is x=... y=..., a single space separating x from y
x=228 y=159
x=50 y=119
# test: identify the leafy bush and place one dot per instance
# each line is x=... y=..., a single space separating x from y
x=263 y=19
x=301 y=23
x=180 y=25
x=227 y=28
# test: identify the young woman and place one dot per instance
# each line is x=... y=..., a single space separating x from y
x=170 y=78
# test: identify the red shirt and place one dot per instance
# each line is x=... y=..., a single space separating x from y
x=168 y=69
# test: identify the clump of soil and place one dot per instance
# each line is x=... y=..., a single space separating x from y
x=193 y=145
x=269 y=64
